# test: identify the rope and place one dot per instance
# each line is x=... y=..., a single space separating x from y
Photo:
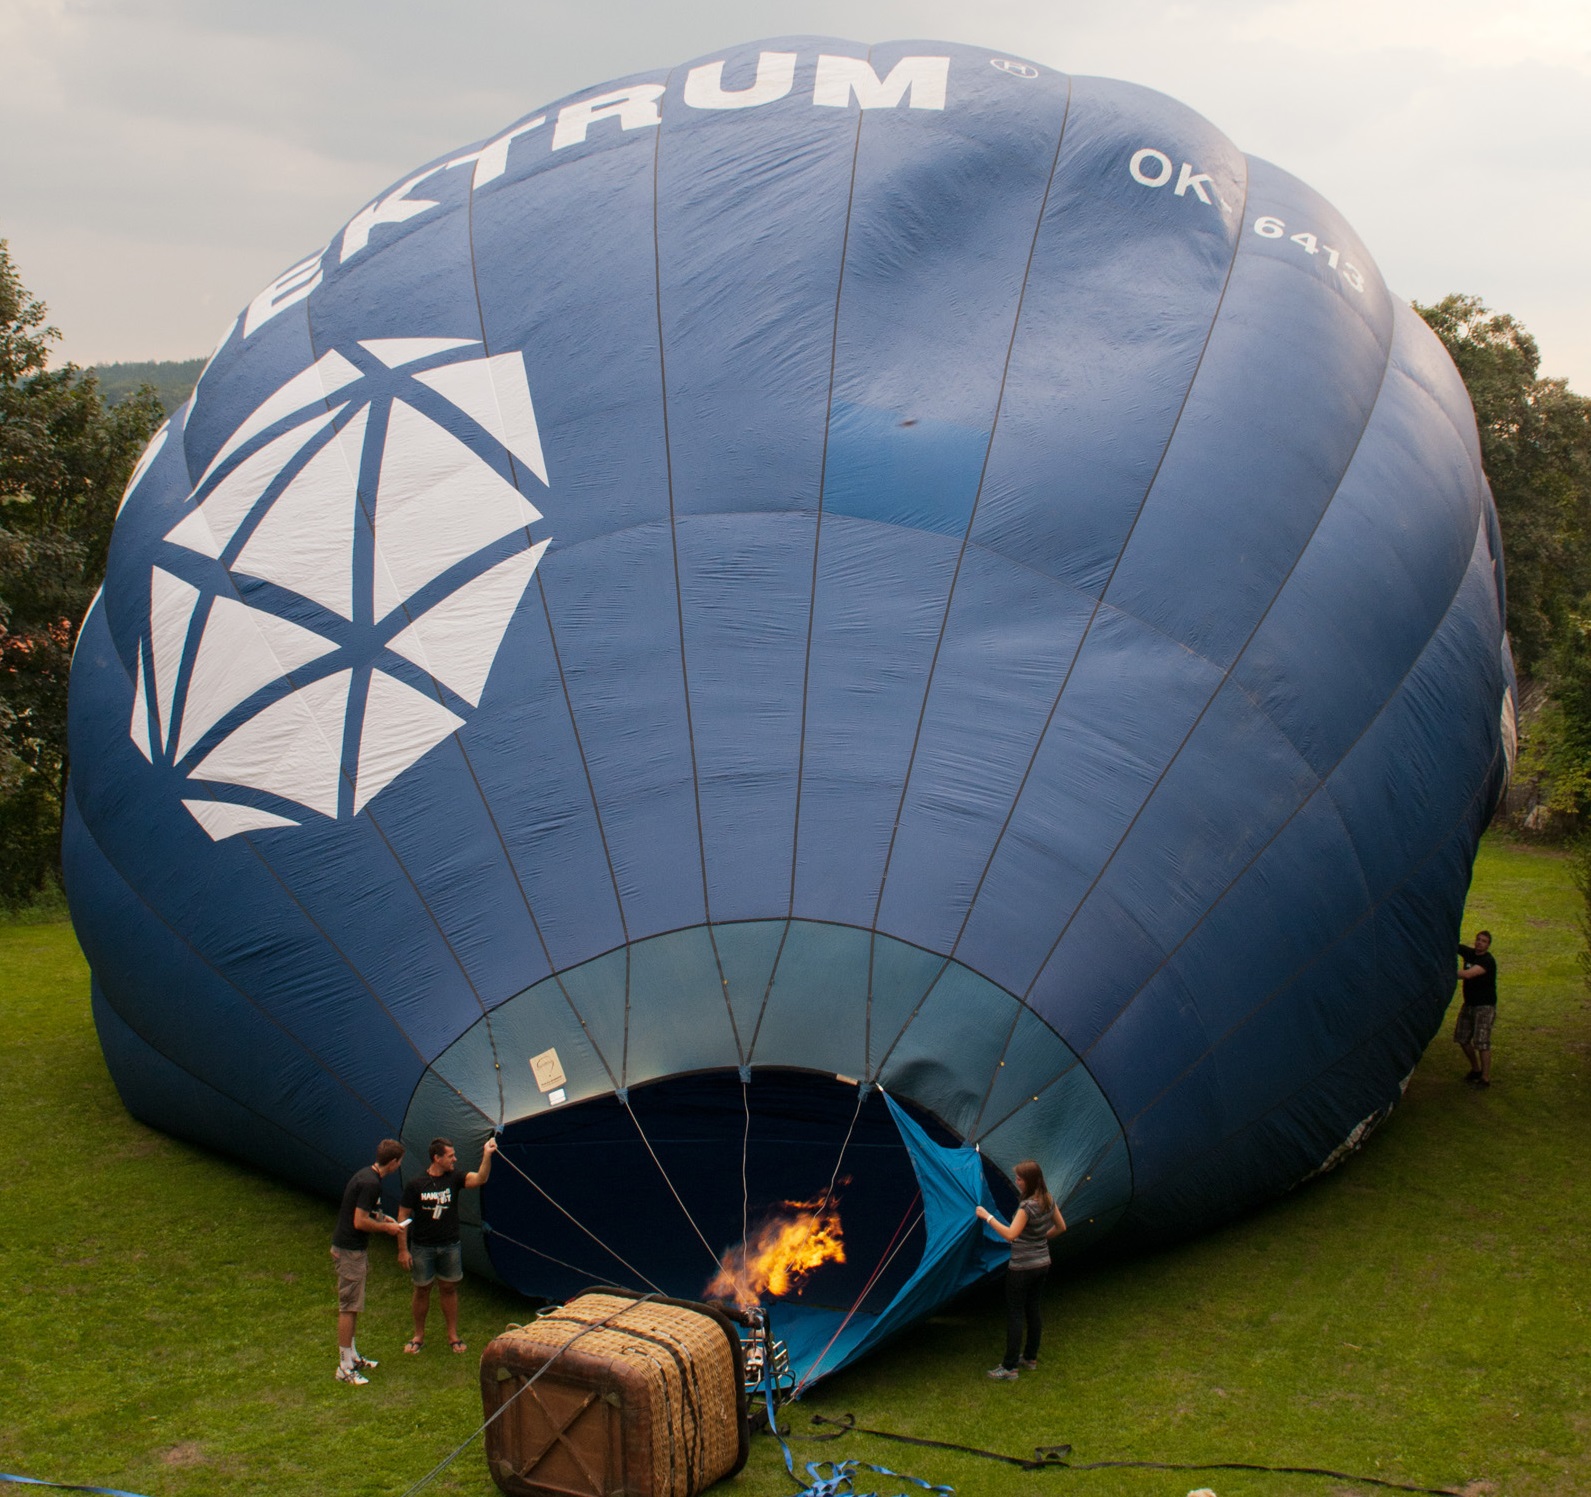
x=530 y=1383
x=691 y=1403
x=891 y=1248
x=841 y=1474
x=63 y=1486
x=745 y=1148
x=1047 y=1457
x=668 y=1182
x=861 y=1095
x=525 y=1247
x=503 y=1155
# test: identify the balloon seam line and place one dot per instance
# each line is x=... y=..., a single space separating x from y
x=817 y=547
x=1227 y=674
x=1366 y=1039
x=1099 y=602
x=679 y=595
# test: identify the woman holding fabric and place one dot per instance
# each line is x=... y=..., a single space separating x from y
x=1037 y=1220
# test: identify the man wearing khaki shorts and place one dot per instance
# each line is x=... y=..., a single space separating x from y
x=359 y=1216
x=1473 y=1032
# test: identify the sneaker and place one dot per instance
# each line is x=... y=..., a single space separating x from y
x=1482 y=1081
x=363 y=1362
x=1003 y=1374
x=1473 y=1076
x=355 y=1376
x=1029 y=1364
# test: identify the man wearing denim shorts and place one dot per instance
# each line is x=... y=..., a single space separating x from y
x=430 y=1248
x=1473 y=1032
x=359 y=1216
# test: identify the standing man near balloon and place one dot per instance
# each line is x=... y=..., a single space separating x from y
x=432 y=1251
x=359 y=1216
x=1473 y=1031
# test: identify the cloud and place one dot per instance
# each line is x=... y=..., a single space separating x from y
x=181 y=152
x=1466 y=33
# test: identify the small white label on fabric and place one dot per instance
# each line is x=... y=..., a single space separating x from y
x=547 y=1070
x=556 y=1098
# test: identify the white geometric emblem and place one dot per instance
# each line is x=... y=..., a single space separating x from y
x=338 y=590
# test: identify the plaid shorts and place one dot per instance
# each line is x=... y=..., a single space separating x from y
x=1474 y=1025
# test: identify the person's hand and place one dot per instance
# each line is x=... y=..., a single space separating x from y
x=981 y=1214
x=405 y=1259
x=491 y=1146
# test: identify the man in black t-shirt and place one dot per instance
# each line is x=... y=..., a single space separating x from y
x=359 y=1216
x=1474 y=1028
x=430 y=1248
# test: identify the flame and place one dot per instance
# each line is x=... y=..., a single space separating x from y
x=777 y=1257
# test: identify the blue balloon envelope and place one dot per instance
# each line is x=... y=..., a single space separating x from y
x=806 y=626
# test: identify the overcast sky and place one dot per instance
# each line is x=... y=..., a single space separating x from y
x=163 y=159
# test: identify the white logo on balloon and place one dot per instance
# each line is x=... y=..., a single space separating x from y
x=438 y=505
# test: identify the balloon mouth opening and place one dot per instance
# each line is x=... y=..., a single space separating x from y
x=685 y=1185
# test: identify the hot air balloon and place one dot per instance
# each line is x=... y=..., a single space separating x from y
x=799 y=629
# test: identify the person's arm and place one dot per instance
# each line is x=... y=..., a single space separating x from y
x=1471 y=971
x=365 y=1222
x=483 y=1174
x=1011 y=1233
x=403 y=1235
x=368 y=1211
x=1058 y=1225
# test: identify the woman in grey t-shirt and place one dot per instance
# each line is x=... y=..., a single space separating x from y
x=1037 y=1220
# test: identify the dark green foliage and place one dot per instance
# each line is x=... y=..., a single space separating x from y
x=172 y=380
x=64 y=461
x=1535 y=439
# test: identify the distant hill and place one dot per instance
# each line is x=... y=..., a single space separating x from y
x=173 y=380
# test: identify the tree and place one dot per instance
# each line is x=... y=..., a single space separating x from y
x=1535 y=437
x=64 y=461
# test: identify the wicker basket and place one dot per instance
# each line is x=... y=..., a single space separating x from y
x=612 y=1395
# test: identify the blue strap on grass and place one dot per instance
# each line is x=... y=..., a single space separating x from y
x=841 y=1477
x=63 y=1486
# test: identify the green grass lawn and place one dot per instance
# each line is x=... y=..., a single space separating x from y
x=1419 y=1315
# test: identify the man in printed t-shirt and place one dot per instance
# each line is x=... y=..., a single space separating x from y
x=430 y=1248
x=1473 y=1032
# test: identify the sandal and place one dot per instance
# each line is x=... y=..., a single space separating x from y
x=457 y=1345
x=414 y=1345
